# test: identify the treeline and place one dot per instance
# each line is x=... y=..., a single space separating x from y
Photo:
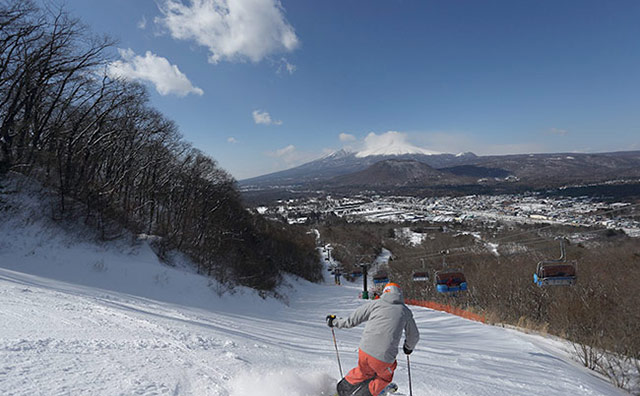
x=97 y=141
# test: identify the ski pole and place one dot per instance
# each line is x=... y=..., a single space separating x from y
x=409 y=371
x=337 y=354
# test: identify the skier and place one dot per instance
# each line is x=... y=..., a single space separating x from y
x=337 y=273
x=386 y=318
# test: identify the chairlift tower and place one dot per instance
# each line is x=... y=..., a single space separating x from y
x=365 y=273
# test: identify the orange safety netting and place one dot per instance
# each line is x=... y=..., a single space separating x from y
x=448 y=308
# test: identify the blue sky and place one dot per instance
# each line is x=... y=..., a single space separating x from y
x=264 y=85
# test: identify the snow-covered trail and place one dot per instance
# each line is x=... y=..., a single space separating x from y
x=59 y=338
x=80 y=318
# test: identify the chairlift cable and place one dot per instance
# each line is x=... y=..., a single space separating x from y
x=434 y=254
x=556 y=225
x=533 y=241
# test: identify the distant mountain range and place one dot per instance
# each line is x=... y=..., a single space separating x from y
x=343 y=162
x=343 y=169
x=398 y=173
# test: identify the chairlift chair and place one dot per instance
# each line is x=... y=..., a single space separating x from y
x=381 y=278
x=379 y=281
x=450 y=280
x=559 y=272
x=421 y=275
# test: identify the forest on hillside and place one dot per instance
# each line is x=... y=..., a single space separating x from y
x=119 y=164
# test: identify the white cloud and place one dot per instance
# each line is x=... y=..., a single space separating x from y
x=290 y=156
x=285 y=151
x=263 y=117
x=285 y=65
x=142 y=24
x=345 y=137
x=232 y=140
x=167 y=78
x=390 y=143
x=234 y=30
x=557 y=132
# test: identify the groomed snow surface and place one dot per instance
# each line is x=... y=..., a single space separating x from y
x=83 y=318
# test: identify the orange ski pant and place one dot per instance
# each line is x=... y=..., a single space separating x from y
x=370 y=367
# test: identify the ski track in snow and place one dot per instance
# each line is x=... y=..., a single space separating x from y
x=83 y=319
x=59 y=338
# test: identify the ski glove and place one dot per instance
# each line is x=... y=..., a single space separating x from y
x=406 y=350
x=330 y=319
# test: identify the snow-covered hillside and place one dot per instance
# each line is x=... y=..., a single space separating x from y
x=82 y=318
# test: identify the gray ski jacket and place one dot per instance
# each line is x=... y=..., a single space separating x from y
x=386 y=318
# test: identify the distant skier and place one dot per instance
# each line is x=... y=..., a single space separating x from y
x=337 y=273
x=386 y=318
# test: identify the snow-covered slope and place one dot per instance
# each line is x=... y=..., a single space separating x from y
x=80 y=318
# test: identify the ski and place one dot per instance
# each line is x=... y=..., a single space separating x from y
x=389 y=389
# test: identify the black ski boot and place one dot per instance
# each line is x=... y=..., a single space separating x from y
x=346 y=389
x=363 y=390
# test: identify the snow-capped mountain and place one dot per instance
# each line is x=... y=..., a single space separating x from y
x=529 y=170
x=390 y=144
x=343 y=162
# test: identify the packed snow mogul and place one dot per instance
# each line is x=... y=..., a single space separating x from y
x=386 y=318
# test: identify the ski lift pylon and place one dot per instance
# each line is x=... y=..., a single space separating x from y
x=558 y=272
